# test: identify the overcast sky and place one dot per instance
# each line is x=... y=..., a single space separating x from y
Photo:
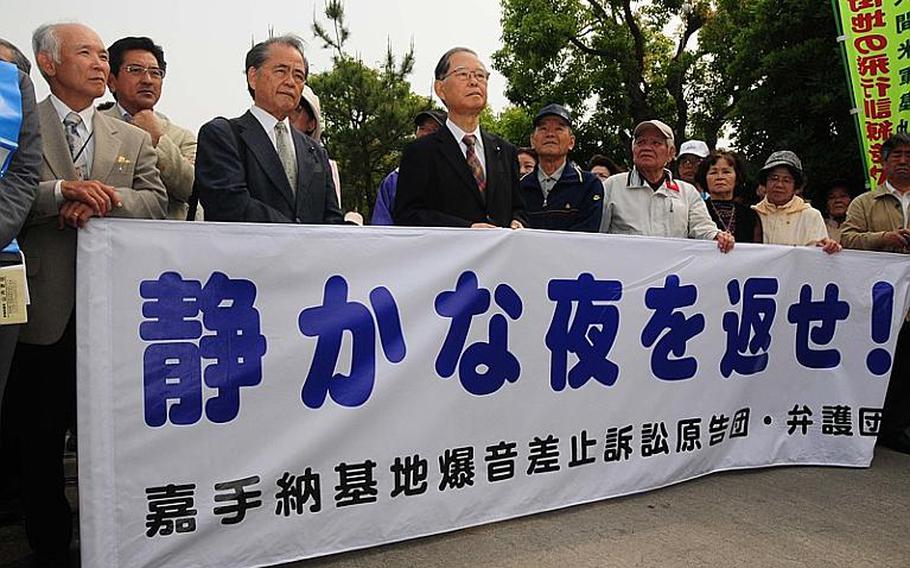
x=205 y=42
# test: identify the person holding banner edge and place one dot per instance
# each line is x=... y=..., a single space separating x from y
x=879 y=220
x=648 y=201
x=93 y=166
x=786 y=219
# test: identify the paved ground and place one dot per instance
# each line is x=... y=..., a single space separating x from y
x=780 y=517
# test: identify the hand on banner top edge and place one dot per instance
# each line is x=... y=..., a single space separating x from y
x=830 y=246
x=74 y=214
x=725 y=241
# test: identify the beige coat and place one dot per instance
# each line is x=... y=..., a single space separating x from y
x=869 y=217
x=176 y=151
x=794 y=223
x=123 y=158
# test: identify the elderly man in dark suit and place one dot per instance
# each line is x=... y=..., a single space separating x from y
x=460 y=176
x=257 y=168
x=93 y=166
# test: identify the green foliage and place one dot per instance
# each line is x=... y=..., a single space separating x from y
x=610 y=65
x=786 y=70
x=513 y=124
x=767 y=71
x=367 y=112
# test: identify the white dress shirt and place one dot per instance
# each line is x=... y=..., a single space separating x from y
x=903 y=197
x=268 y=123
x=458 y=133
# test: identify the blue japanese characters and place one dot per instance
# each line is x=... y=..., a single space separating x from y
x=172 y=363
x=209 y=335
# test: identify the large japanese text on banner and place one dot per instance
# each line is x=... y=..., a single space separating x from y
x=876 y=40
x=278 y=392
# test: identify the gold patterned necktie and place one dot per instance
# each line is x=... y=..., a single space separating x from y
x=286 y=154
x=473 y=162
x=74 y=141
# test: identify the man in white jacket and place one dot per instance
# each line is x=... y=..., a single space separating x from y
x=648 y=201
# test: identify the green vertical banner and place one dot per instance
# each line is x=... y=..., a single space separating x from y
x=875 y=35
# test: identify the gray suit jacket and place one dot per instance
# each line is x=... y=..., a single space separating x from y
x=17 y=191
x=19 y=185
x=123 y=158
x=176 y=151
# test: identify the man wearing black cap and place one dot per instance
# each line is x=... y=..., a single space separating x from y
x=426 y=122
x=460 y=176
x=557 y=194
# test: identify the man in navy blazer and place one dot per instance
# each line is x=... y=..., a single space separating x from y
x=257 y=168
x=460 y=176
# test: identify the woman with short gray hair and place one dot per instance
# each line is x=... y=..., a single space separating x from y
x=785 y=218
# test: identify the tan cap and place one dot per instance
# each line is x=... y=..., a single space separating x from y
x=663 y=128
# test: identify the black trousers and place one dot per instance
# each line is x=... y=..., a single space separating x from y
x=40 y=404
x=896 y=415
x=8 y=335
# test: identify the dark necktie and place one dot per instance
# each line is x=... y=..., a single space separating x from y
x=473 y=162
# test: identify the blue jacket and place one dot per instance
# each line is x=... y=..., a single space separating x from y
x=574 y=204
x=385 y=200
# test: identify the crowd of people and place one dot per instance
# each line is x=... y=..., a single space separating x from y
x=75 y=161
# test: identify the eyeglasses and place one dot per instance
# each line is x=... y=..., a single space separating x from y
x=786 y=180
x=139 y=71
x=464 y=75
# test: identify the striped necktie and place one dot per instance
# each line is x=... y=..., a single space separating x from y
x=76 y=144
x=473 y=162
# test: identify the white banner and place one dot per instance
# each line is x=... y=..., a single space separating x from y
x=256 y=394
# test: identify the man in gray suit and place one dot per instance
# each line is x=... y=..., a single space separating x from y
x=137 y=75
x=17 y=188
x=93 y=166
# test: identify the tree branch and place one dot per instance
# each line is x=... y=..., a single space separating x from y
x=637 y=87
x=588 y=50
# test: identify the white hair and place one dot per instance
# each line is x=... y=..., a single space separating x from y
x=45 y=39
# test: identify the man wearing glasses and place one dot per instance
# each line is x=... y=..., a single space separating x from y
x=137 y=75
x=460 y=176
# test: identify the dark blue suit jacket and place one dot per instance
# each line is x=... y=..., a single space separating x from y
x=574 y=204
x=239 y=176
x=436 y=186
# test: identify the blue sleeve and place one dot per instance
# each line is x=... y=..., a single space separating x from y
x=385 y=200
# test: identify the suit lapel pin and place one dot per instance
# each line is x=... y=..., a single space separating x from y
x=123 y=163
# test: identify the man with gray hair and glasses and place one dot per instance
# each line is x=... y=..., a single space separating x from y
x=257 y=168
x=93 y=166
x=460 y=176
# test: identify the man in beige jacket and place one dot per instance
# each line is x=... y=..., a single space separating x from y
x=93 y=166
x=878 y=220
x=137 y=75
